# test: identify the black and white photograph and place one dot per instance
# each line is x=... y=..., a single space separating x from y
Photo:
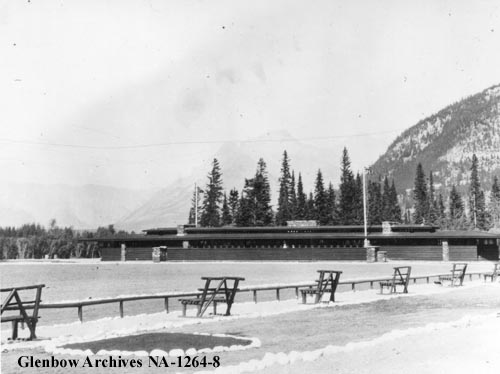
x=235 y=186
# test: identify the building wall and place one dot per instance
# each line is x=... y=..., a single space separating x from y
x=416 y=252
x=266 y=254
x=423 y=253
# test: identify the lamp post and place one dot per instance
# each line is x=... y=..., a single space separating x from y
x=366 y=243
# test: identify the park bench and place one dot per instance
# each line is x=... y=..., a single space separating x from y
x=400 y=277
x=224 y=291
x=495 y=274
x=456 y=276
x=327 y=283
x=13 y=303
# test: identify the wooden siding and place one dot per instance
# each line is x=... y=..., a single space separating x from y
x=266 y=254
x=463 y=253
x=415 y=252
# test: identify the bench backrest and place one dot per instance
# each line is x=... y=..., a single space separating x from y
x=14 y=302
x=459 y=269
x=402 y=274
x=328 y=279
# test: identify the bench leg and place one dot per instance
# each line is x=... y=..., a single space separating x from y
x=304 y=297
x=184 y=306
x=215 y=308
x=15 y=325
x=32 y=328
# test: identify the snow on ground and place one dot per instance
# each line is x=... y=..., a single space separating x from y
x=57 y=335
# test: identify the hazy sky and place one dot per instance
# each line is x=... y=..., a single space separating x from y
x=135 y=93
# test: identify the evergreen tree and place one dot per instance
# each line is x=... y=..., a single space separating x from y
x=394 y=204
x=284 y=212
x=386 y=202
x=374 y=203
x=310 y=210
x=262 y=196
x=227 y=218
x=477 y=203
x=332 y=214
x=441 y=212
x=320 y=201
x=420 y=197
x=433 y=214
x=301 y=212
x=246 y=206
x=494 y=207
x=195 y=202
x=347 y=198
x=233 y=203
x=457 y=219
x=293 y=197
x=211 y=215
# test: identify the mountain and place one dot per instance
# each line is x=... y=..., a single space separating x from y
x=83 y=207
x=170 y=206
x=445 y=143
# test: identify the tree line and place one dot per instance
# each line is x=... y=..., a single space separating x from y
x=36 y=241
x=252 y=205
x=462 y=212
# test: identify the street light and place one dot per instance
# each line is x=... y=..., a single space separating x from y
x=366 y=243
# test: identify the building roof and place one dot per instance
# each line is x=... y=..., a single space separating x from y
x=259 y=235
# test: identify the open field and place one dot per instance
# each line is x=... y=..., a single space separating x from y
x=363 y=332
x=70 y=280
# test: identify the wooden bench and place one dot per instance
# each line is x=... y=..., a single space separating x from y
x=400 y=277
x=456 y=276
x=495 y=274
x=327 y=283
x=224 y=292
x=14 y=303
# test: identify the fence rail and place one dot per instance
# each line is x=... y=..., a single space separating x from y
x=173 y=295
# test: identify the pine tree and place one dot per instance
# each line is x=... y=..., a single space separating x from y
x=330 y=197
x=195 y=202
x=433 y=215
x=494 y=207
x=246 y=206
x=233 y=203
x=394 y=204
x=374 y=203
x=284 y=211
x=420 y=197
x=320 y=201
x=301 y=212
x=293 y=197
x=211 y=215
x=347 y=192
x=386 y=201
x=310 y=210
x=441 y=212
x=227 y=219
x=262 y=196
x=477 y=204
x=457 y=219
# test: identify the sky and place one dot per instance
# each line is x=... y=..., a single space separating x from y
x=136 y=93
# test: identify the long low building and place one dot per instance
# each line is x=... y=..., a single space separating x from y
x=300 y=243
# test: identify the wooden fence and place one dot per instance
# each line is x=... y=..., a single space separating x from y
x=172 y=295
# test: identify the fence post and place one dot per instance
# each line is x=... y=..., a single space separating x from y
x=166 y=304
x=255 y=296
x=278 y=294
x=80 y=313
x=121 y=308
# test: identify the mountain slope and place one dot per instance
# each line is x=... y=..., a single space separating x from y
x=445 y=143
x=238 y=161
x=83 y=207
